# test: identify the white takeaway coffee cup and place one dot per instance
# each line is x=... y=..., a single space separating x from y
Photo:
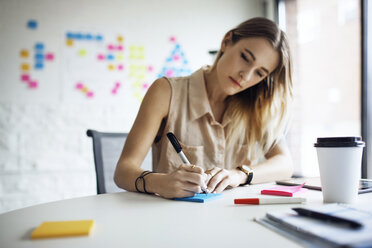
x=340 y=160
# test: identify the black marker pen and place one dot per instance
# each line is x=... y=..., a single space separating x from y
x=172 y=138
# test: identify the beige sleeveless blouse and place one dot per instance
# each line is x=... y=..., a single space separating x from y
x=202 y=138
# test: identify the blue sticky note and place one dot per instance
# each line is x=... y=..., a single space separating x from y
x=110 y=57
x=39 y=46
x=99 y=37
x=79 y=36
x=32 y=24
x=70 y=35
x=39 y=66
x=39 y=56
x=88 y=36
x=200 y=198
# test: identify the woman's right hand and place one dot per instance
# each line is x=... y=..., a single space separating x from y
x=186 y=181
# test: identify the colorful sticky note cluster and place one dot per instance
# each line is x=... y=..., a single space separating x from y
x=79 y=36
x=84 y=89
x=32 y=84
x=137 y=71
x=114 y=53
x=116 y=88
x=39 y=57
x=113 y=47
x=176 y=65
x=136 y=52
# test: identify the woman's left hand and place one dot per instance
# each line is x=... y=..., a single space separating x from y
x=220 y=179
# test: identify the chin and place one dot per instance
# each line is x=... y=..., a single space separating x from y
x=231 y=92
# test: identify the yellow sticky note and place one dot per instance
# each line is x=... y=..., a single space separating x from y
x=24 y=53
x=120 y=38
x=25 y=67
x=82 y=52
x=62 y=229
x=111 y=67
x=119 y=56
x=69 y=42
x=85 y=89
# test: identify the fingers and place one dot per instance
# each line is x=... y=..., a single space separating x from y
x=187 y=189
x=192 y=168
x=222 y=185
x=194 y=176
x=216 y=179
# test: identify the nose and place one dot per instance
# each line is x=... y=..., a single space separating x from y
x=247 y=74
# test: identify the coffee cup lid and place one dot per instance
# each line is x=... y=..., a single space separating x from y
x=339 y=142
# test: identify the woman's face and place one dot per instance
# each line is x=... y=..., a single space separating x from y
x=245 y=64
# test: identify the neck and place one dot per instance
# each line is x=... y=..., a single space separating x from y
x=215 y=94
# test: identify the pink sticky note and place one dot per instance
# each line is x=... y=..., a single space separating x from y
x=111 y=47
x=49 y=56
x=120 y=48
x=172 y=39
x=176 y=57
x=90 y=94
x=120 y=67
x=284 y=190
x=169 y=73
x=145 y=86
x=150 y=68
x=33 y=84
x=114 y=91
x=79 y=86
x=100 y=57
x=25 y=77
x=117 y=85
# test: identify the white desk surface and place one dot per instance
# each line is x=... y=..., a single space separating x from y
x=138 y=220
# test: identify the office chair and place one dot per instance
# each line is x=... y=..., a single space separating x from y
x=107 y=149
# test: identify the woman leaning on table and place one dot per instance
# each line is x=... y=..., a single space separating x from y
x=229 y=118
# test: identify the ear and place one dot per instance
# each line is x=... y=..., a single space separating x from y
x=226 y=41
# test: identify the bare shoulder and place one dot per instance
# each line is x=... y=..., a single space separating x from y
x=158 y=97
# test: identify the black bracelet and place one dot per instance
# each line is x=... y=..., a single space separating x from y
x=142 y=177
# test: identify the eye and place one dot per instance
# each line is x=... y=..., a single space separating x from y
x=259 y=74
x=244 y=57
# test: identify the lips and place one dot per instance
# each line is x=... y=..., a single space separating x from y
x=235 y=82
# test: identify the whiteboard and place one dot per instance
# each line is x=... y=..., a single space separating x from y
x=107 y=52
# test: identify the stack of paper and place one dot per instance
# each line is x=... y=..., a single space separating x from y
x=317 y=233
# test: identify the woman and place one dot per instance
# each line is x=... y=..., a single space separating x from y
x=229 y=118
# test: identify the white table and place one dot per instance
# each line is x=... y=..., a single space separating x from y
x=138 y=220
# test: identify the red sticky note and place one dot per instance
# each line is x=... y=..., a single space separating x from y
x=284 y=190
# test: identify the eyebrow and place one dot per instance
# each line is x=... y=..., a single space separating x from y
x=254 y=58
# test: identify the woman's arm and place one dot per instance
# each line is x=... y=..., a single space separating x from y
x=278 y=165
x=154 y=109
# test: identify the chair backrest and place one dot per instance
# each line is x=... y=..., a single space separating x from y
x=107 y=149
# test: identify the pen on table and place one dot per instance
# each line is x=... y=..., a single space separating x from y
x=261 y=201
x=173 y=140
x=327 y=217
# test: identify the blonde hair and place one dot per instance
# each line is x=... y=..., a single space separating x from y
x=261 y=112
